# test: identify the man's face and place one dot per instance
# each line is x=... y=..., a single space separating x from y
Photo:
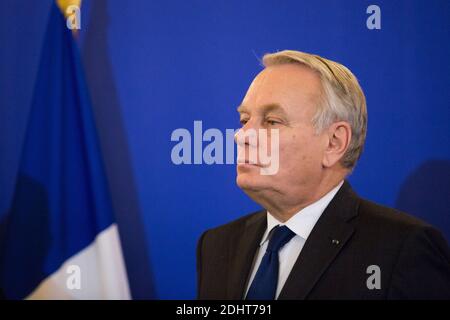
x=282 y=97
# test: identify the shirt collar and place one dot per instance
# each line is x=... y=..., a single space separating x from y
x=303 y=221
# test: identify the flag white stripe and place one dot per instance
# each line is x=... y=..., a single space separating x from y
x=102 y=272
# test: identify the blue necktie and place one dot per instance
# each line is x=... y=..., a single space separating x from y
x=264 y=285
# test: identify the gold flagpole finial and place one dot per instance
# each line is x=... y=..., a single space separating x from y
x=65 y=4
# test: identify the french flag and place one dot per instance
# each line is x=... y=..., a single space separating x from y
x=59 y=239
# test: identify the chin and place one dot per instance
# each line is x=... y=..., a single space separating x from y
x=251 y=182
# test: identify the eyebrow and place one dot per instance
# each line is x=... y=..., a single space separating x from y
x=265 y=108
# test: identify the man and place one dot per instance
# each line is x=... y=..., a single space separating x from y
x=315 y=238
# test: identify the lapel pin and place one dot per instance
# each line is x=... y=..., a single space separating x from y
x=334 y=241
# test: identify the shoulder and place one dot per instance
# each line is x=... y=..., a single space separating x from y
x=382 y=228
x=398 y=229
x=231 y=229
x=419 y=253
x=380 y=215
x=369 y=217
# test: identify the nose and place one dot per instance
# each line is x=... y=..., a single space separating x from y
x=246 y=137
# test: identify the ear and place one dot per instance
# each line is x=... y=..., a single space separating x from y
x=339 y=135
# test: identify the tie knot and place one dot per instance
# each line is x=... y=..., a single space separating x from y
x=281 y=236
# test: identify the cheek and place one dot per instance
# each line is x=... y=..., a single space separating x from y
x=299 y=151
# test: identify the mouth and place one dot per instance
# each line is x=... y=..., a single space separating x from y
x=245 y=162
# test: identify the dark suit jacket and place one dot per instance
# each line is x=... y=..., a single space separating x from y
x=413 y=257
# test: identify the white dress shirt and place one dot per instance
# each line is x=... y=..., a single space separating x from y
x=301 y=224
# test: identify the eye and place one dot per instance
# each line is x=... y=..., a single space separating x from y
x=243 y=121
x=272 y=122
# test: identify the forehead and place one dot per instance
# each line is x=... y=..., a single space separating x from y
x=291 y=86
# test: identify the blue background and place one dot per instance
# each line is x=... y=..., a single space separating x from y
x=155 y=66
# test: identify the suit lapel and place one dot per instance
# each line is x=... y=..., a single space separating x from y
x=243 y=253
x=327 y=238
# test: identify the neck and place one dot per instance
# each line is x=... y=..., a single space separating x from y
x=283 y=207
